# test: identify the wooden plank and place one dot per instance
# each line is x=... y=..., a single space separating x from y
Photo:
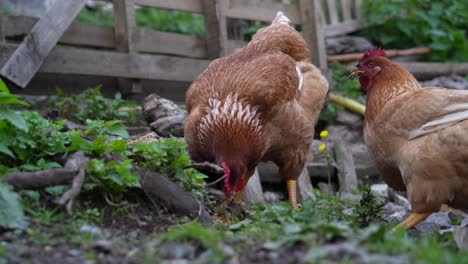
x=194 y=6
x=215 y=27
x=332 y=12
x=27 y=59
x=2 y=23
x=116 y=64
x=313 y=31
x=343 y=28
x=170 y=43
x=90 y=35
x=259 y=10
x=125 y=36
x=346 y=9
x=357 y=9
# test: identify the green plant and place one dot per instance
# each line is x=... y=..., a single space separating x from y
x=368 y=210
x=169 y=157
x=170 y=21
x=91 y=104
x=32 y=146
x=438 y=24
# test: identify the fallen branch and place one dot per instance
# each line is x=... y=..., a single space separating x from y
x=159 y=188
x=207 y=168
x=348 y=103
x=390 y=53
x=47 y=178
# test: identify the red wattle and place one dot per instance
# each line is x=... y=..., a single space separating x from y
x=239 y=185
x=227 y=175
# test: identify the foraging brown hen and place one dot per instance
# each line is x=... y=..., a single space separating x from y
x=260 y=103
x=417 y=136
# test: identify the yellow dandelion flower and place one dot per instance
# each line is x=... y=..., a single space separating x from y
x=324 y=134
x=323 y=147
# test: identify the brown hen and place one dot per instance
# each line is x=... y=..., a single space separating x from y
x=259 y=104
x=417 y=136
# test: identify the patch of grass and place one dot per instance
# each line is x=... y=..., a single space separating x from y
x=438 y=24
x=91 y=104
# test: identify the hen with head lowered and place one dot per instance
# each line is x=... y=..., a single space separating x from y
x=259 y=104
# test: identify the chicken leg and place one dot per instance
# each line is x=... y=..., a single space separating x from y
x=413 y=220
x=292 y=194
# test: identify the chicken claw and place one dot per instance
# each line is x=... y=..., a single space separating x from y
x=292 y=193
x=412 y=220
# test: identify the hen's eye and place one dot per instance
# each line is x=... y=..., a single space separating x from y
x=370 y=64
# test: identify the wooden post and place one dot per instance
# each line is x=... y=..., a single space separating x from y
x=215 y=25
x=312 y=30
x=125 y=38
x=2 y=25
x=26 y=60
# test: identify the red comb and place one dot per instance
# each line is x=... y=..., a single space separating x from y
x=374 y=53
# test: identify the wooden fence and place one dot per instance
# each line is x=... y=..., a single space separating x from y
x=125 y=51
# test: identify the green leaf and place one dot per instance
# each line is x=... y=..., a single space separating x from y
x=3 y=87
x=14 y=118
x=11 y=213
x=5 y=150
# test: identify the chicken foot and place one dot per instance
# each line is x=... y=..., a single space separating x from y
x=413 y=220
x=292 y=194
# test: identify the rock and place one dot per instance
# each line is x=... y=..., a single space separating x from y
x=392 y=212
x=399 y=199
x=460 y=234
x=347 y=44
x=253 y=192
x=380 y=190
x=452 y=82
x=104 y=246
x=91 y=229
x=74 y=252
x=351 y=197
x=348 y=212
x=434 y=223
x=271 y=197
x=348 y=252
x=325 y=188
x=349 y=119
x=304 y=185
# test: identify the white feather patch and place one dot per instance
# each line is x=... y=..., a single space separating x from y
x=301 y=78
x=228 y=113
x=457 y=113
x=282 y=19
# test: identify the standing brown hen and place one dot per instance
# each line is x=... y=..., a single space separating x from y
x=259 y=104
x=417 y=136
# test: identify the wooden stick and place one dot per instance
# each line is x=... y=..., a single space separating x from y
x=348 y=103
x=390 y=53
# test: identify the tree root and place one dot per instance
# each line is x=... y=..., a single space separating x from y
x=73 y=171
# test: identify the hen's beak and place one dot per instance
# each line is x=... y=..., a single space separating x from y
x=355 y=71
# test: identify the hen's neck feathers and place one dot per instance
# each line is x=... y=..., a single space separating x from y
x=392 y=81
x=232 y=128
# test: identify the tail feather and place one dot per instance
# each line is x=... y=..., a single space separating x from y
x=282 y=19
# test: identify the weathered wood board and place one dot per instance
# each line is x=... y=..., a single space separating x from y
x=30 y=54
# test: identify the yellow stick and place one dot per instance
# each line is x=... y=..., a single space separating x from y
x=348 y=103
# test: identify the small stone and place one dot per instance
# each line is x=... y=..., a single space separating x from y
x=74 y=252
x=434 y=223
x=460 y=234
x=380 y=190
x=90 y=229
x=271 y=197
x=351 y=197
x=392 y=212
x=104 y=246
x=348 y=212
